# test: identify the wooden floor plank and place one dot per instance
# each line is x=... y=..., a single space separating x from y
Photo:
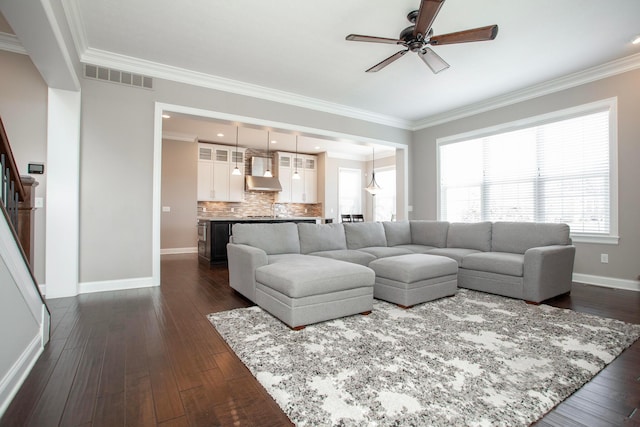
x=150 y=357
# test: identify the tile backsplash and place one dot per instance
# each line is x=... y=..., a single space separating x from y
x=257 y=203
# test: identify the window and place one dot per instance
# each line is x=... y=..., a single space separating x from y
x=349 y=191
x=560 y=167
x=385 y=200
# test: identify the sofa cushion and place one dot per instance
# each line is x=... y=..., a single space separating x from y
x=321 y=237
x=517 y=237
x=383 y=251
x=453 y=253
x=495 y=262
x=476 y=235
x=414 y=267
x=416 y=249
x=397 y=233
x=314 y=276
x=364 y=234
x=429 y=233
x=348 y=255
x=271 y=238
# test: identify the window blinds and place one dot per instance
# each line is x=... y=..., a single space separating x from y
x=555 y=171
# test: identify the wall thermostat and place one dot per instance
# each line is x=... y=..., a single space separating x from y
x=36 y=168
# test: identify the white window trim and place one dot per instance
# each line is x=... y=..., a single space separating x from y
x=610 y=103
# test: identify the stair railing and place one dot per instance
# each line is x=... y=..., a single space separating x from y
x=11 y=189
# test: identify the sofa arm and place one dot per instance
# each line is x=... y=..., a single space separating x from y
x=243 y=261
x=548 y=271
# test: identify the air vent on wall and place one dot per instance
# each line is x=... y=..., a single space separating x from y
x=117 y=76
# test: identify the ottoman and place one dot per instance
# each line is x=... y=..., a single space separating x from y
x=313 y=289
x=407 y=280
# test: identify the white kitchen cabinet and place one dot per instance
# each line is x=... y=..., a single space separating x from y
x=303 y=190
x=215 y=180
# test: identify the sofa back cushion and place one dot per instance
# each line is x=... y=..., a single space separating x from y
x=397 y=233
x=517 y=237
x=321 y=237
x=429 y=233
x=271 y=238
x=474 y=235
x=364 y=234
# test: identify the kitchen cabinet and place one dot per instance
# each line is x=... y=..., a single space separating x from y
x=215 y=179
x=303 y=190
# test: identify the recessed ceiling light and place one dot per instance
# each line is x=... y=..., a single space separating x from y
x=274 y=142
x=220 y=135
x=636 y=40
x=166 y=116
x=317 y=148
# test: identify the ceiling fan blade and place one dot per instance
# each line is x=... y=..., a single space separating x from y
x=426 y=15
x=474 y=35
x=387 y=61
x=361 y=38
x=433 y=60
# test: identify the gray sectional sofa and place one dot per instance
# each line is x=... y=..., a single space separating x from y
x=530 y=261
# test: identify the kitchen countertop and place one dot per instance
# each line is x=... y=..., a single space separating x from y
x=261 y=218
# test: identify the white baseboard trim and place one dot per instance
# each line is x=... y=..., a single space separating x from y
x=116 y=285
x=10 y=384
x=607 y=282
x=174 y=251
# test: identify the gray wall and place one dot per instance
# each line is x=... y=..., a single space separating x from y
x=179 y=192
x=117 y=164
x=23 y=108
x=623 y=258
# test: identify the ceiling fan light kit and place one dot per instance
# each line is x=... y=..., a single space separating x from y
x=418 y=36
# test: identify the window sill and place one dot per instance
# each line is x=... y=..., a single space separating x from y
x=594 y=238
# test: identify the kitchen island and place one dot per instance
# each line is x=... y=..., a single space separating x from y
x=213 y=233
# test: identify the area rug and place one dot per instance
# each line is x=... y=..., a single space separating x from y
x=471 y=359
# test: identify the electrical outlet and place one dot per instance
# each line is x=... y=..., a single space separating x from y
x=166 y=209
x=604 y=258
x=233 y=209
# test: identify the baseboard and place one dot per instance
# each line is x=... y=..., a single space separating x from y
x=174 y=251
x=43 y=288
x=116 y=285
x=607 y=282
x=10 y=384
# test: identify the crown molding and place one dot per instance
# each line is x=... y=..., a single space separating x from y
x=76 y=26
x=10 y=43
x=167 y=72
x=589 y=75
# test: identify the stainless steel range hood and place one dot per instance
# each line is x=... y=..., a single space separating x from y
x=257 y=181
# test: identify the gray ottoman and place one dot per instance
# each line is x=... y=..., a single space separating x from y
x=313 y=289
x=408 y=280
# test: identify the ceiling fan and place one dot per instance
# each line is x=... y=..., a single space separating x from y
x=417 y=36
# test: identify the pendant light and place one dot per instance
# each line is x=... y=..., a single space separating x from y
x=296 y=175
x=373 y=188
x=267 y=173
x=236 y=171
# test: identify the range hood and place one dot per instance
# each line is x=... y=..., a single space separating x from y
x=257 y=181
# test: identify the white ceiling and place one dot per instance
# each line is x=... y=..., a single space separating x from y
x=295 y=51
x=298 y=47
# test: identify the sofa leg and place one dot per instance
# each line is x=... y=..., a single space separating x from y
x=366 y=313
x=532 y=303
x=298 y=328
x=406 y=307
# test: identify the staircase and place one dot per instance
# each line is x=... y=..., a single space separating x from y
x=24 y=315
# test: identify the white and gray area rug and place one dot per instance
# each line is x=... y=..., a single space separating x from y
x=472 y=359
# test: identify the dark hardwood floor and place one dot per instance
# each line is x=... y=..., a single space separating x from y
x=148 y=357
